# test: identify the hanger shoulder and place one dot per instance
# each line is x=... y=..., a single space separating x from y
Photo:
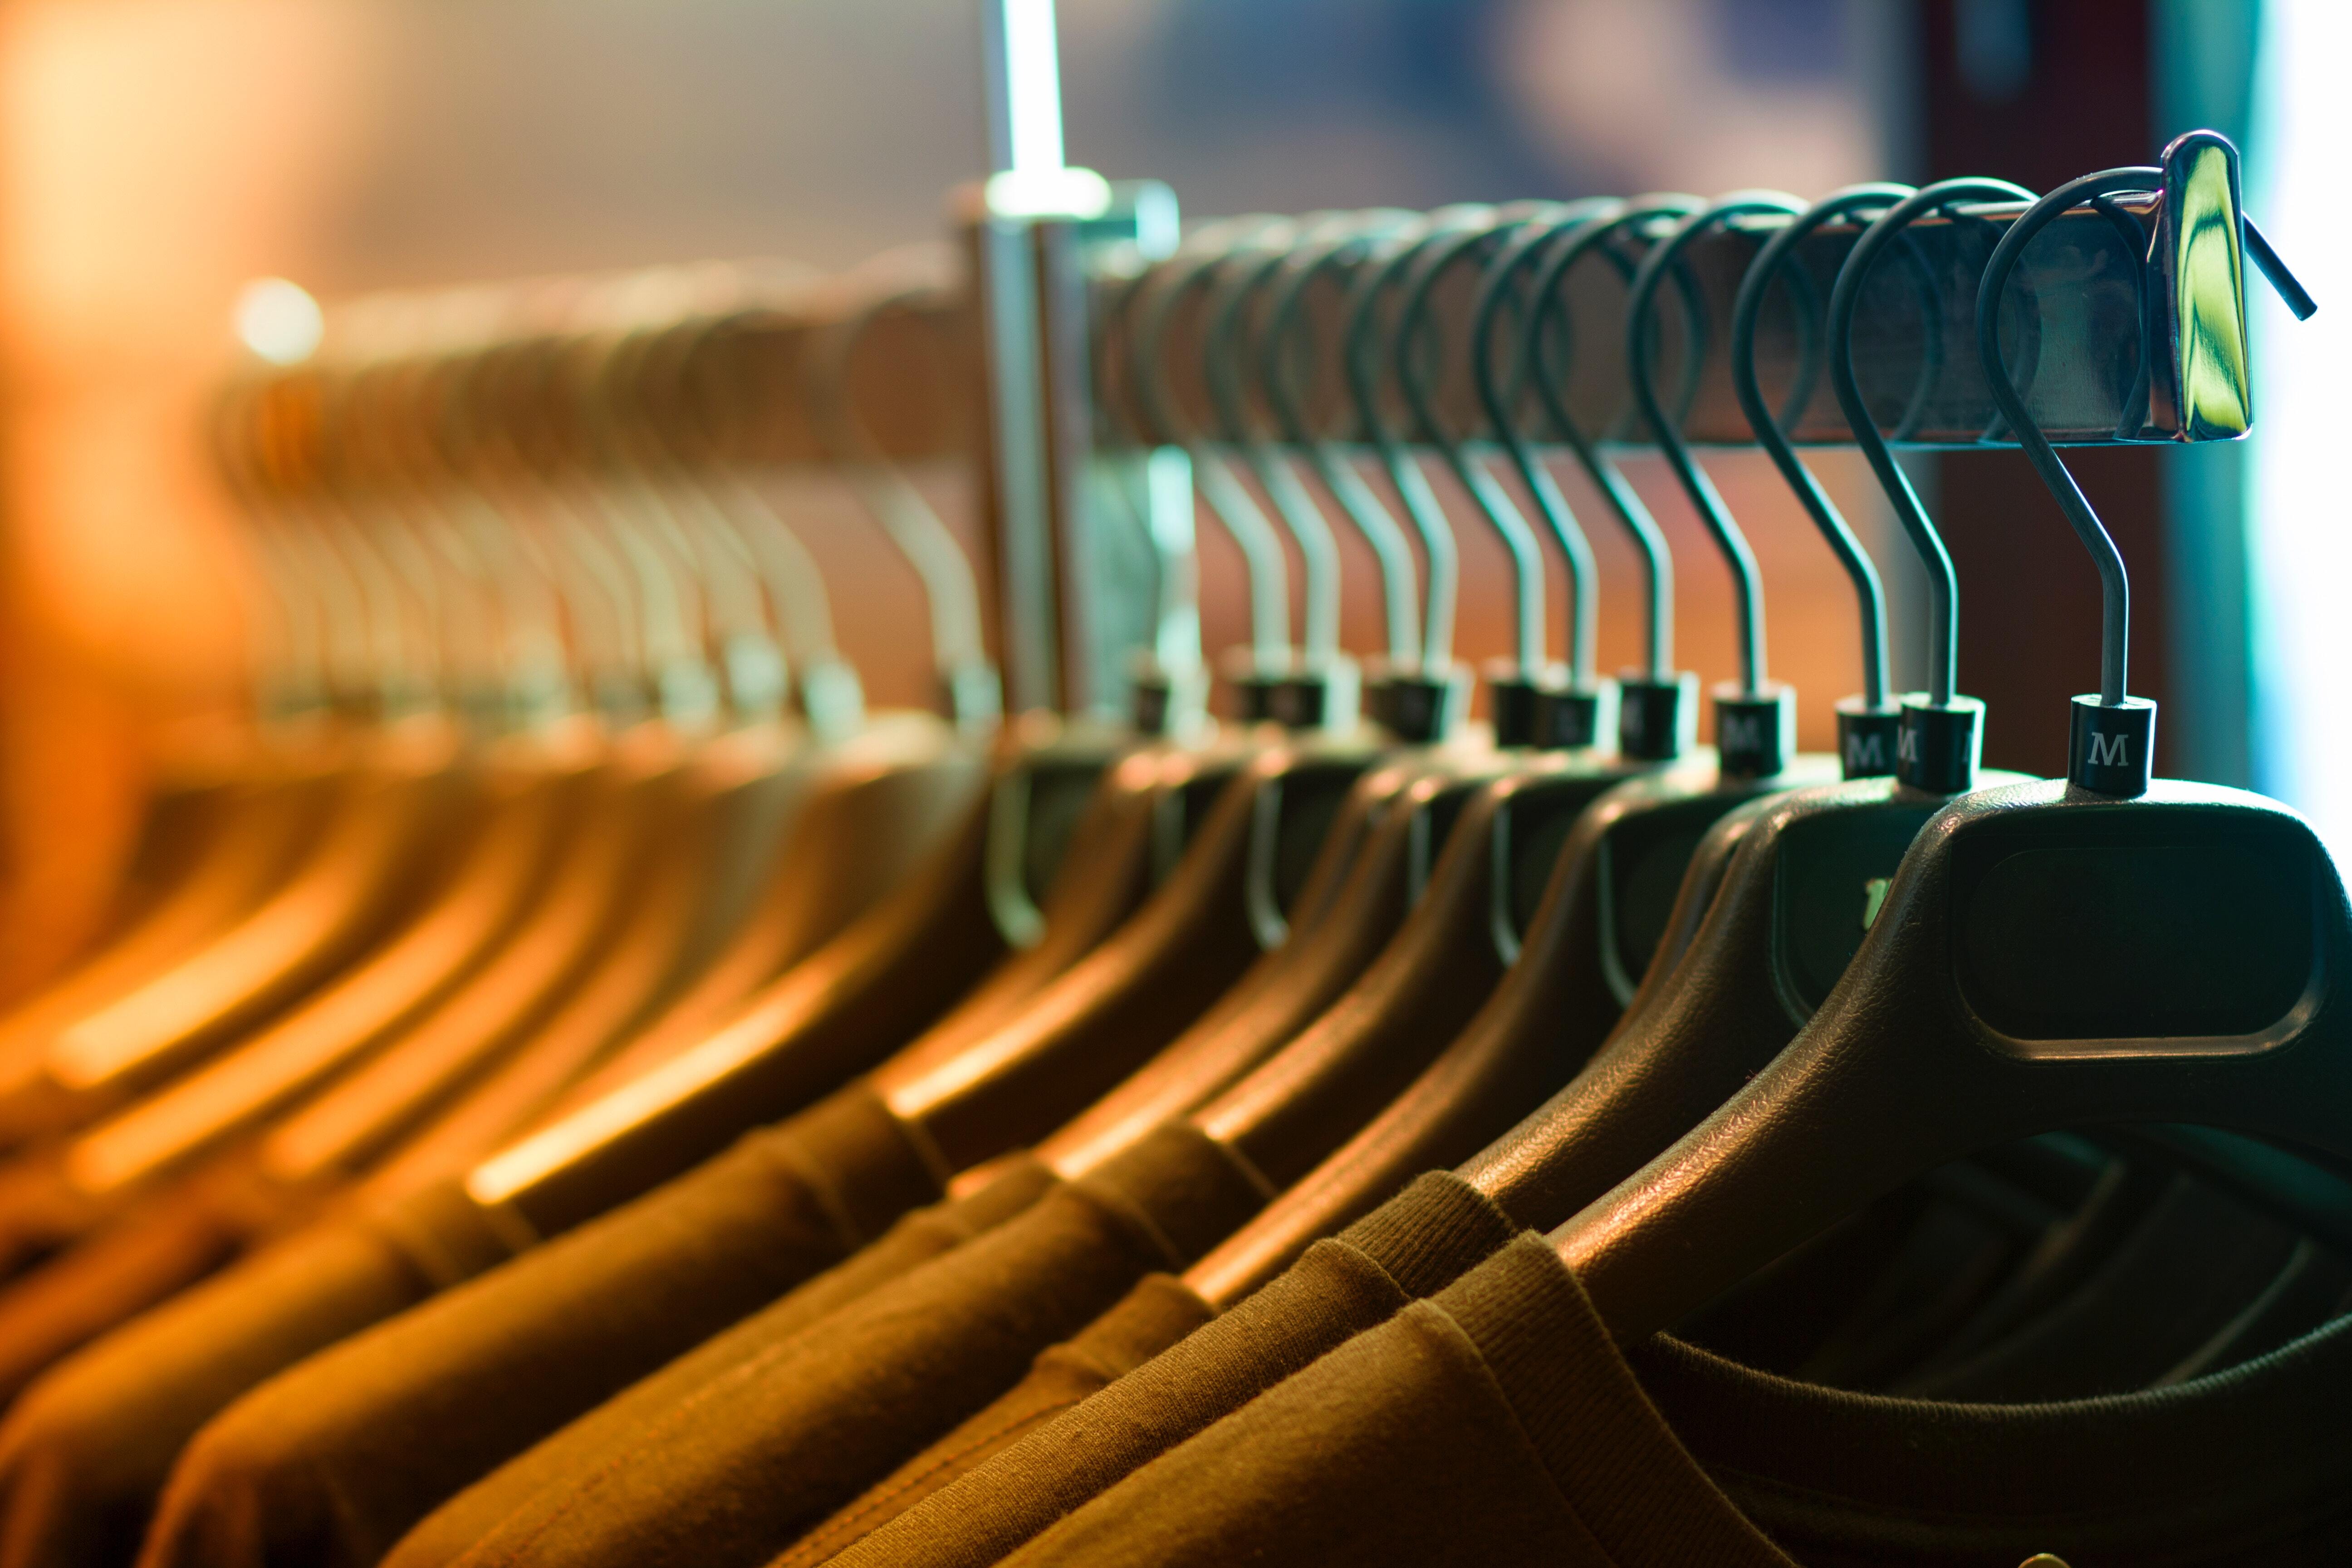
x=354 y=1119
x=268 y=830
x=484 y=895
x=859 y=829
x=894 y=971
x=1442 y=962
x=365 y=871
x=1102 y=877
x=1502 y=1059
x=1108 y=1012
x=1702 y=1024
x=2045 y=959
x=1340 y=929
x=553 y=1074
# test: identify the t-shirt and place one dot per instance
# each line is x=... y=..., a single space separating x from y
x=87 y=1447
x=1494 y=1422
x=452 y=1529
x=762 y=1454
x=160 y=1247
x=2184 y=1274
x=335 y=1458
x=994 y=1492
x=1093 y=1412
x=1159 y=1312
x=1497 y=1422
x=101 y=1430
x=2252 y=1465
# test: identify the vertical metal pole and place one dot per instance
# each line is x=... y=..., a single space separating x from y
x=1023 y=94
x=1067 y=389
x=1018 y=502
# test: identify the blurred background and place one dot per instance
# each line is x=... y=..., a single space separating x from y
x=155 y=155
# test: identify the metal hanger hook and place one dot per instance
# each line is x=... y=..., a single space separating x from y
x=1747 y=309
x=1501 y=287
x=974 y=693
x=1242 y=283
x=1943 y=583
x=1360 y=338
x=1746 y=580
x=2114 y=584
x=1415 y=331
x=1281 y=342
x=1164 y=288
x=1571 y=242
x=2102 y=755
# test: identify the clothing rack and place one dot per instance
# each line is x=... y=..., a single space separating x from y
x=1013 y=365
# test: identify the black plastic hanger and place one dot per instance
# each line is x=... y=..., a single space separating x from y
x=362 y=1115
x=1642 y=858
x=1794 y=899
x=1657 y=705
x=976 y=1092
x=1398 y=812
x=1287 y=1116
x=850 y=807
x=896 y=972
x=1196 y=940
x=1517 y=1048
x=1042 y=773
x=1092 y=905
x=2106 y=949
x=409 y=808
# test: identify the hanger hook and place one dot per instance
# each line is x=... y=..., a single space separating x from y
x=1281 y=347
x=1746 y=580
x=752 y=624
x=684 y=684
x=569 y=643
x=2111 y=738
x=608 y=616
x=1167 y=286
x=1170 y=680
x=1943 y=583
x=1866 y=725
x=1414 y=332
x=1756 y=721
x=299 y=682
x=402 y=590
x=1523 y=687
x=1322 y=693
x=1499 y=288
x=1657 y=713
x=1384 y=264
x=974 y=692
x=768 y=295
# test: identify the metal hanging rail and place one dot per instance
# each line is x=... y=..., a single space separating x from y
x=2088 y=304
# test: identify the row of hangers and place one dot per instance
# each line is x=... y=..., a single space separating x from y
x=541 y=706
x=574 y=856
